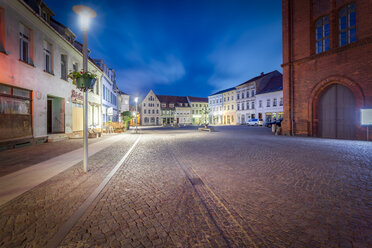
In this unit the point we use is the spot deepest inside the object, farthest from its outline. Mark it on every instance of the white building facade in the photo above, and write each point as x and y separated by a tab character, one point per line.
245	101
215	108
199	110
36	55
150	110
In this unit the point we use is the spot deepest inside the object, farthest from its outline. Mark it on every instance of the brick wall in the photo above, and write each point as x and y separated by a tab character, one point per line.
350	65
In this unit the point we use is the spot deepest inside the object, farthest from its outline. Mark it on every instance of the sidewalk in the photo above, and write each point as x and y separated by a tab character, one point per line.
54	158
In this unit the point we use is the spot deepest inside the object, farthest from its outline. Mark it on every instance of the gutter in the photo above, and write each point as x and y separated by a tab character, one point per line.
291	65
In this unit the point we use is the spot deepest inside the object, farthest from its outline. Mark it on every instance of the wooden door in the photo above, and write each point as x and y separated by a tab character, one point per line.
336	113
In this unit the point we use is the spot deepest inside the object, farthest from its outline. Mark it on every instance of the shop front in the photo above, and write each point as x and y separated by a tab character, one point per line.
77	111
15	113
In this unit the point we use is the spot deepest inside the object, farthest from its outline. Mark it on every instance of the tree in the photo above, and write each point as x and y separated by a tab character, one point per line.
126	116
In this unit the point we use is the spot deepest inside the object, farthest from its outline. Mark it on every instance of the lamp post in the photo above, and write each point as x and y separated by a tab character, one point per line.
85	14
136	100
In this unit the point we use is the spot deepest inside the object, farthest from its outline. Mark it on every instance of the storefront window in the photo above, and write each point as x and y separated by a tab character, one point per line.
14	101
5	89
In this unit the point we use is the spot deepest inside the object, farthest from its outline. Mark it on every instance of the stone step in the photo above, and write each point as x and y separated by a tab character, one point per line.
57	137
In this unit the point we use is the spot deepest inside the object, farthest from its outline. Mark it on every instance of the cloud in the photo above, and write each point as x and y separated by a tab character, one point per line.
237	58
146	75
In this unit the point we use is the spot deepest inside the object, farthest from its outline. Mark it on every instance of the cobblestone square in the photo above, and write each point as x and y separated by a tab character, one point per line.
236	187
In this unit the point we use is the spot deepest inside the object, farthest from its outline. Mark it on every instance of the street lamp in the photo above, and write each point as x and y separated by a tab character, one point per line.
85	14
136	100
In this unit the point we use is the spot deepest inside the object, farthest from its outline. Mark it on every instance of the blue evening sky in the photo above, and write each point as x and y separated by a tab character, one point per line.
181	47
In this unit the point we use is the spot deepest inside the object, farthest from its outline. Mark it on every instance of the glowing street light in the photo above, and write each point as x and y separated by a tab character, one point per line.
85	14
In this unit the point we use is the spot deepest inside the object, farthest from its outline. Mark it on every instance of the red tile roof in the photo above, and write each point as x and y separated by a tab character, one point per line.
197	99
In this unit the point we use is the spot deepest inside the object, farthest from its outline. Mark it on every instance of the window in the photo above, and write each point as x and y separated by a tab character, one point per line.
63	67
268	103
144	104
275	102
163	105
237	96
322	34
24	44
228	98
47	57
15	101
252	105
232	98
2	31
146	120
224	99
347	24
281	101
144	111
153	111
75	67
232	107
247	94
252	93
242	105
228	107
238	106
260	103
242	95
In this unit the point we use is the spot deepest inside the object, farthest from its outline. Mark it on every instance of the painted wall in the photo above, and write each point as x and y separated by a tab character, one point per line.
33	77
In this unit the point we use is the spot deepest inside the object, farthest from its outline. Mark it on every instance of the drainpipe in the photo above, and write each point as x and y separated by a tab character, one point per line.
291	64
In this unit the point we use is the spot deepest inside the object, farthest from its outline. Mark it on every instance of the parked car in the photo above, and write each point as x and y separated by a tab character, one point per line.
255	122
277	122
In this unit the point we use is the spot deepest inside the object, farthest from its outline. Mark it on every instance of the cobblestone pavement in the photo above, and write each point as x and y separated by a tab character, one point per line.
31	219
237	187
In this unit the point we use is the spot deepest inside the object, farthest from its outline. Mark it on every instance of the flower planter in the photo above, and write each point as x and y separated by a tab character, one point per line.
85	83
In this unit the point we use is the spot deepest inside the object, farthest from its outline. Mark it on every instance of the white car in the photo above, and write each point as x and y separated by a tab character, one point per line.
255	122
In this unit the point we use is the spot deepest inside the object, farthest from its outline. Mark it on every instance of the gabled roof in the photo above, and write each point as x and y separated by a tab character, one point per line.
122	93
223	91
172	99
271	82
197	99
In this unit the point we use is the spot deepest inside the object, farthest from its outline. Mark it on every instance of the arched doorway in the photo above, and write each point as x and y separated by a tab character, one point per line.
336	113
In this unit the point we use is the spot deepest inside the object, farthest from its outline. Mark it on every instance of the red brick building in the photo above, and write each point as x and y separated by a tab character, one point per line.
327	67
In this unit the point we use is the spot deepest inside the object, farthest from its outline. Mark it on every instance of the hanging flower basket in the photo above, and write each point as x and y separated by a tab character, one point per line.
85	83
83	80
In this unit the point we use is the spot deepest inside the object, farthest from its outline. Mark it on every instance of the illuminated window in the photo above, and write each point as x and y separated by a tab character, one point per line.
47	57
322	34
24	43
347	24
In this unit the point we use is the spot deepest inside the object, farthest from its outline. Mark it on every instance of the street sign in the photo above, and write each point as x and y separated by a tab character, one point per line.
366	117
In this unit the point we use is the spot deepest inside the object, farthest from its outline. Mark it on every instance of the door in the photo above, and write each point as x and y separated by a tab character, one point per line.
49	116
336	113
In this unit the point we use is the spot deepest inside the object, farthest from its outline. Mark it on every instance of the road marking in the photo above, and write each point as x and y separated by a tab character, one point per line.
69	224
